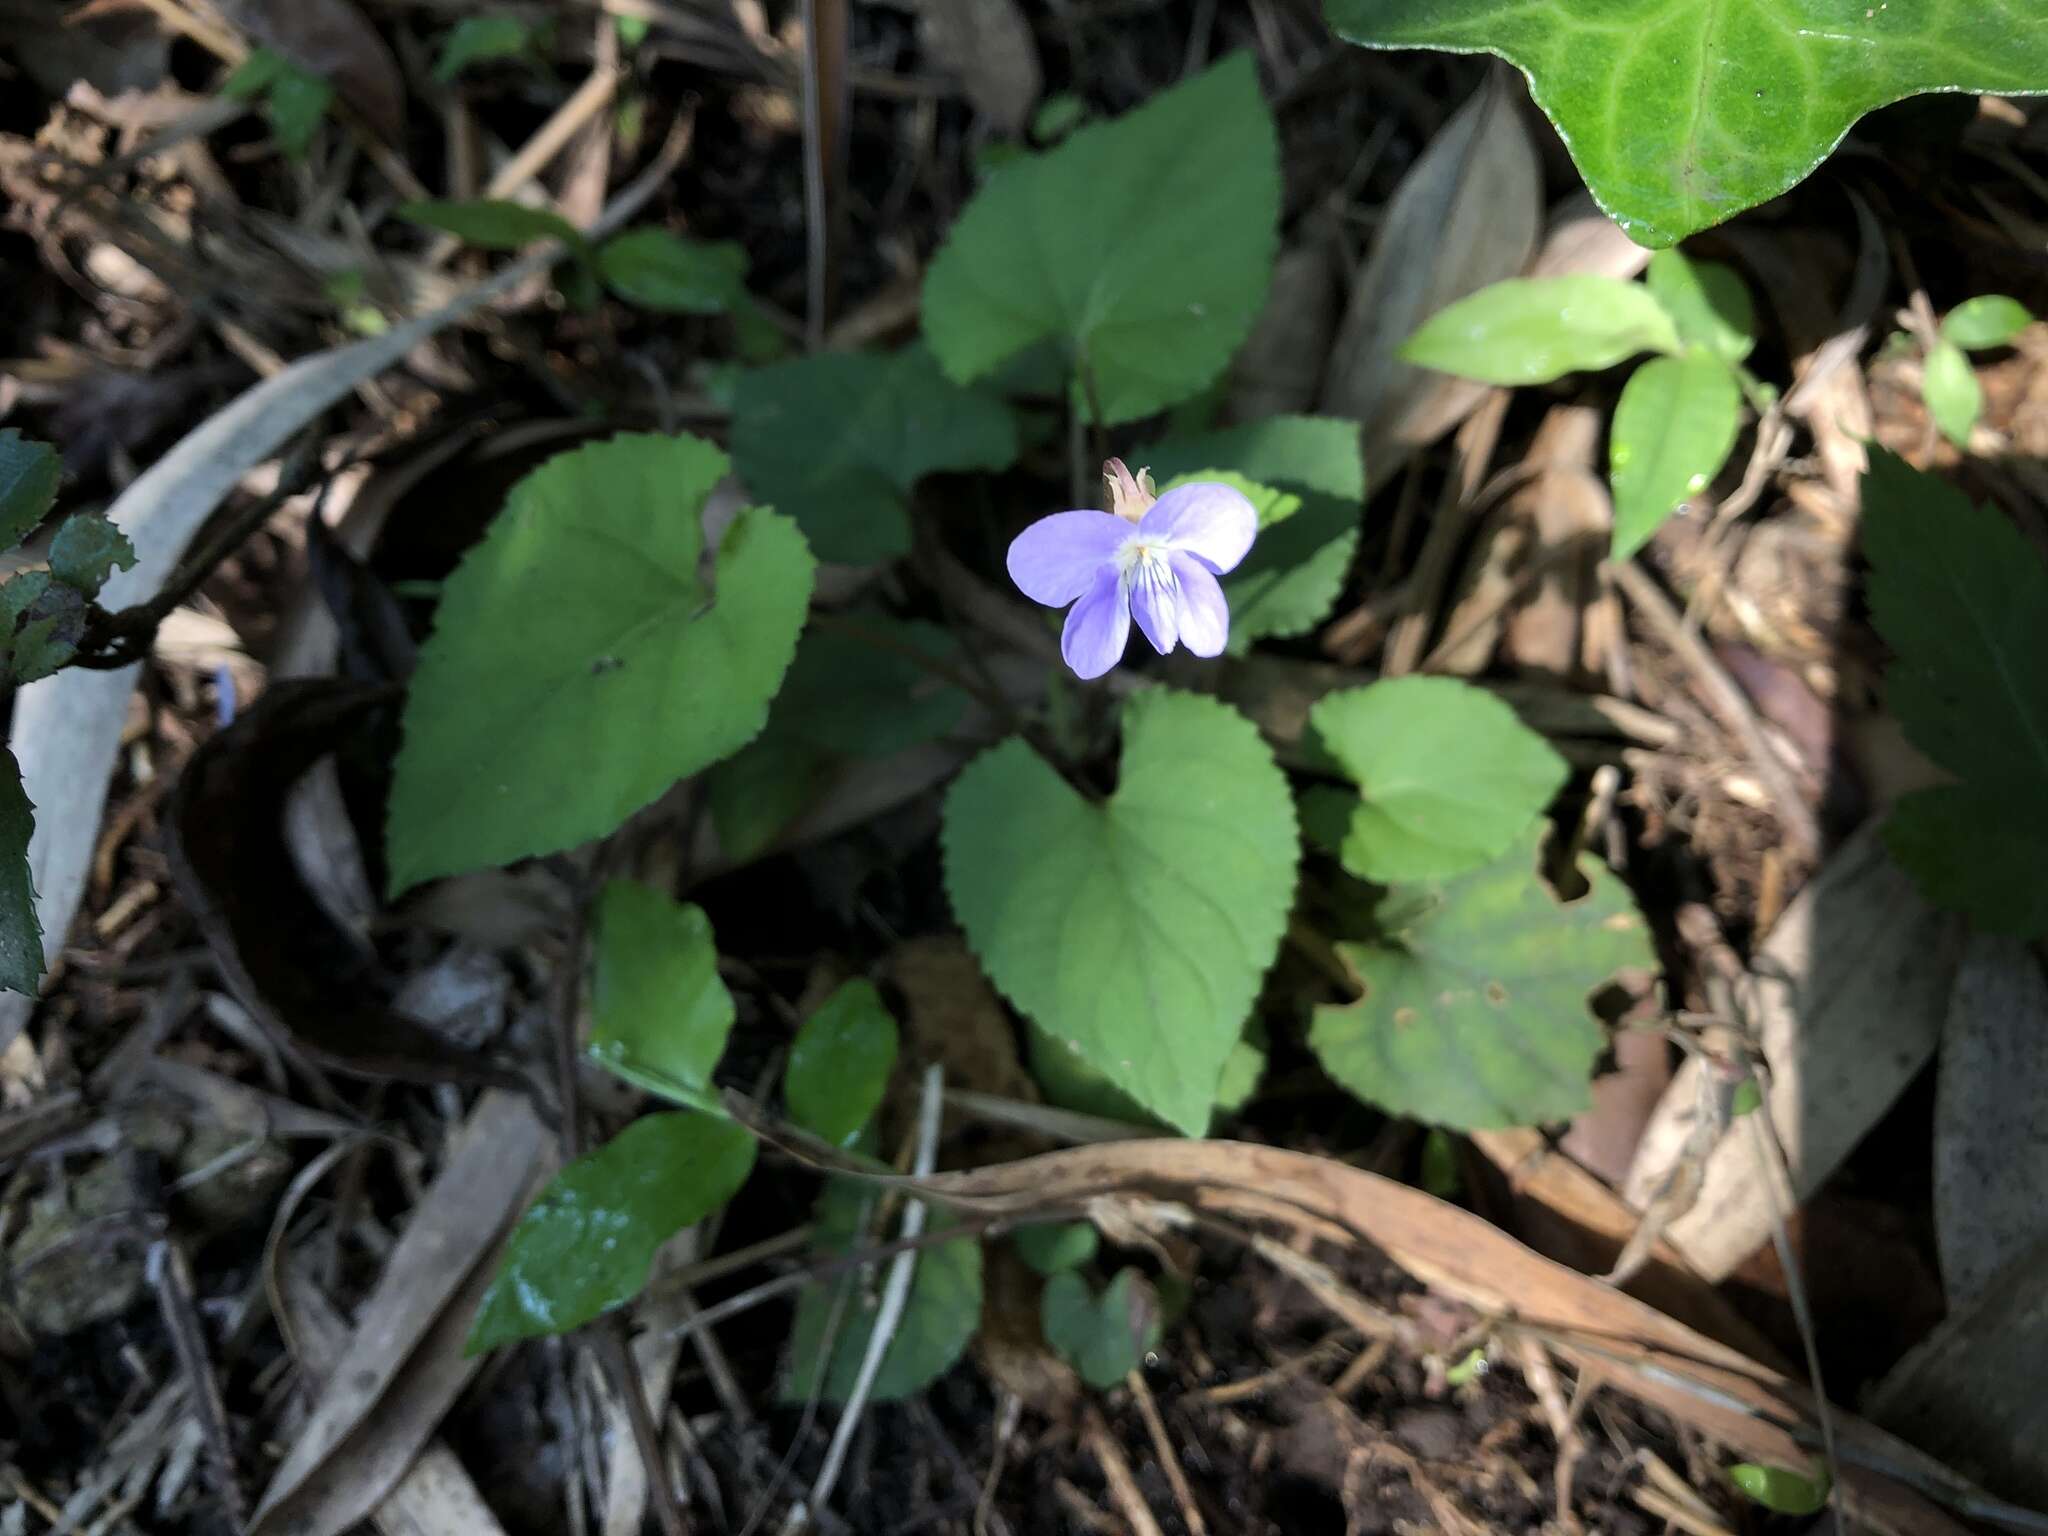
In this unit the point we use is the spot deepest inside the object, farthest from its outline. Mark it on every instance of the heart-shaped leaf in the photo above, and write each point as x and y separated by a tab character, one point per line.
662	1014
582	661
1672	430
1142	246
21	935
1474	1010
1103	1337
839	1066
1449	776
1133	932
1682	113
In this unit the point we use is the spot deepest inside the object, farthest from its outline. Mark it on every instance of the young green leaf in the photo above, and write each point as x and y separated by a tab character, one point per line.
1681	114
1135	931
29	475
1961	597
86	551
1954	397
21	935
1990	320
1708	303
1143	246
1787	1493
585	1245
1531	330
491	224
1103	1337
839	1066
838	440
661	1012
664	272
480	39
583	618
1672	432
1053	1247
1450	778
1474	1008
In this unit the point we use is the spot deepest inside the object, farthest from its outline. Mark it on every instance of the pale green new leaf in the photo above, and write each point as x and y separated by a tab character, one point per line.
661	1011
1531	330
1448	776
21	935
1708	303
837	440
1143	246
1682	113
1672	432
1990	320
1135	931
1954	397
582	661
1475	994
1776	1488
1105	1337
29	475
840	1063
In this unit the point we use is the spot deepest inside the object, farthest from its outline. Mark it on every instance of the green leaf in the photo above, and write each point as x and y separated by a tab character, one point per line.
1531	330
479	39
756	793
1440	1175
29	475
254	75
582	662
585	1245
1991	320
1318	455
938	1323
1954	397
86	551
856	689
1450	777
1134	932
1057	116
41	623
21	936
1788	1493
1680	114
1708	303
296	106
1242	1069
1103	1337
664	272
661	1014
1474	1010
1747	1099
1961	597
839	1066
1672	432
1144	246
491	224
839	439
1052	1247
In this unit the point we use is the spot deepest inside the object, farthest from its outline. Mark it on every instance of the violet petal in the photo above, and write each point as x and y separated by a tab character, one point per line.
1056	558
1212	521
1098	626
1204	615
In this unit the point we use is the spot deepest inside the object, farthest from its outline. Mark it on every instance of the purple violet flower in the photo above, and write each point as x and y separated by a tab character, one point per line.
1155	556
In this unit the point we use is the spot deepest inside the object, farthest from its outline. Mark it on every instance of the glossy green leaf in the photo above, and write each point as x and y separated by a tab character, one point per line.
1106	1337
1961	597
1682	113
491	224
30	473
1788	1493
1448	776
1530	330
1052	1247
21	935
664	272
87	550
479	40
1135	931
1954	397
1672	432
1991	320
838	440
583	661
586	1244
661	1011
840	1064
1474	1008
1708	303
1143	246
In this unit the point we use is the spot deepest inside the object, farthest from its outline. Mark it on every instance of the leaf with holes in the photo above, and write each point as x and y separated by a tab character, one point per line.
661	1012
1135	931
1672	432
1474	1007
1682	113
840	1063
87	550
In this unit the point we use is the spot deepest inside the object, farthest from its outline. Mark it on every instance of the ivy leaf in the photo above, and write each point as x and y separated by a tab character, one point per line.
1474	1010
1954	397
491	224
586	1244
1134	932
583	618
664	272
86	551
839	439
661	1012
480	39
1531	330
1143	246
1708	303
29	475
839	1066
1672	432
1051	1247
1961	597
21	935
1103	1337
1991	320
1449	776
1680	114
